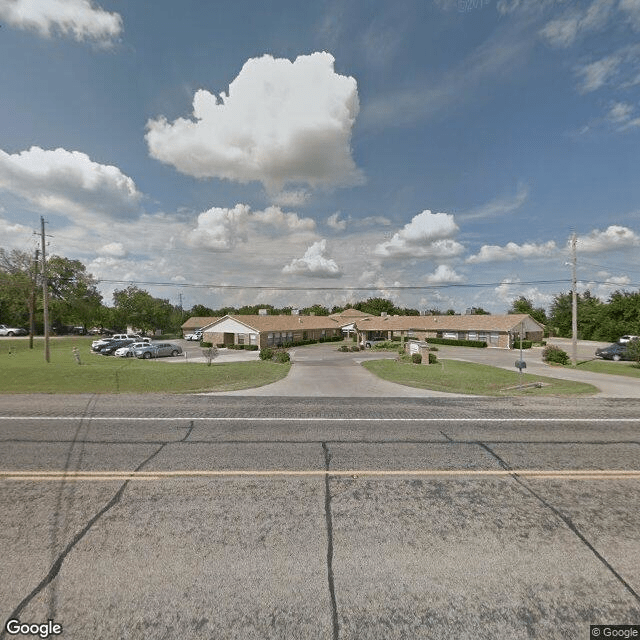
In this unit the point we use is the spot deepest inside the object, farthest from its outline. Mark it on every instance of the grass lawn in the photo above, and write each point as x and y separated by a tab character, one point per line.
23	370
472	378
630	369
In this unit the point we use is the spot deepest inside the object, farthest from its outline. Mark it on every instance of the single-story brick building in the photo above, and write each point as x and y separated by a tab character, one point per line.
499	331
270	331
196	323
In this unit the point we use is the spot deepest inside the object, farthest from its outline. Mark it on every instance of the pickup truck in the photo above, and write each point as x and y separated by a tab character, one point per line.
11	331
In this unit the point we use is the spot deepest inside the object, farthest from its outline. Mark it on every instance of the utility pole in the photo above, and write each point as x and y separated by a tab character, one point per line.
574	302
32	301
45	294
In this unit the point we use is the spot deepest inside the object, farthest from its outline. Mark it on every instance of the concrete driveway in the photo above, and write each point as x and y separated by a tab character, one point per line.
322	371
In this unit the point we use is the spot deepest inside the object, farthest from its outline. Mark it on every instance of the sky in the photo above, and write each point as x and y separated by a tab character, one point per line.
438	153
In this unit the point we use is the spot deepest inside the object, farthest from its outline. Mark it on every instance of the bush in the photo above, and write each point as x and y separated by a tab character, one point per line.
343	348
388	344
282	356
220	345
356	348
457	343
206	345
266	353
416	358
555	354
526	344
433	358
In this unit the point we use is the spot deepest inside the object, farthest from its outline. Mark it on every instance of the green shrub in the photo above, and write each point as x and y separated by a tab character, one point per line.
458	343
526	344
555	354
388	344
206	345
251	347
282	356
355	348
266	353
433	358
220	345
343	348
416	358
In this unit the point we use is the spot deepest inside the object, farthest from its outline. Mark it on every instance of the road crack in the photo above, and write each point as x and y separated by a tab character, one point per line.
329	521
566	519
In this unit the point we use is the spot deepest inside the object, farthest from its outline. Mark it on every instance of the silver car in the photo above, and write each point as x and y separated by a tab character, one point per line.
157	350
129	350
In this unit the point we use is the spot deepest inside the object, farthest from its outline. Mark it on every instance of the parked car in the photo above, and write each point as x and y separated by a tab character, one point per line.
614	351
625	339
373	341
12	331
128	350
196	335
110	349
96	345
158	350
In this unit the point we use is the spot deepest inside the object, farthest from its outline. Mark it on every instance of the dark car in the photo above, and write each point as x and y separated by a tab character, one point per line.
615	351
109	349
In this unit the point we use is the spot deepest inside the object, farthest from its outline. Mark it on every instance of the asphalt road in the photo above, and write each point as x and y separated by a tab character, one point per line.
330	518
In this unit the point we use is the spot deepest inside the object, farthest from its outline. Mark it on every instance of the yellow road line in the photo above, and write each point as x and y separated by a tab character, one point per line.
567	474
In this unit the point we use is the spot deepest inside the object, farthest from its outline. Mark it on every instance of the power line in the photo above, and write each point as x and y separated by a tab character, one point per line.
305	288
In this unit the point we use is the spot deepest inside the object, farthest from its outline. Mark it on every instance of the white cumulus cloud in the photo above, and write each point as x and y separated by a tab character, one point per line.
314	263
444	274
335	223
113	249
513	251
69	183
613	237
80	19
222	229
427	235
281	123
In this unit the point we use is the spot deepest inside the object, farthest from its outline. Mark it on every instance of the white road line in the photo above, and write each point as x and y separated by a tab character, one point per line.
316	419
565	474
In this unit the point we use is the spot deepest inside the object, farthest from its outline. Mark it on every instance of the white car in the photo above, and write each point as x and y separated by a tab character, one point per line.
625	339
196	335
11	331
103	342
128	351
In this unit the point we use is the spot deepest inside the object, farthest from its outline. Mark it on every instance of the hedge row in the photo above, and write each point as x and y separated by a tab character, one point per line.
457	343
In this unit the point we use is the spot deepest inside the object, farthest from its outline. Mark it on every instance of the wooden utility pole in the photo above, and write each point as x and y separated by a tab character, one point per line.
45	294
574	302
32	301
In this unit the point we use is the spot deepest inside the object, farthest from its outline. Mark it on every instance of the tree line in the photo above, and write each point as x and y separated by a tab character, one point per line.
75	301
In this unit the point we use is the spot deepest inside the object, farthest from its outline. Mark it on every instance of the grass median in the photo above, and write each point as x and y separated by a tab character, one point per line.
23	370
454	376
629	369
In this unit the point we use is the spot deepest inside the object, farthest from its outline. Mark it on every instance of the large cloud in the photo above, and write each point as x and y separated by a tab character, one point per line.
222	229
428	235
281	123
314	263
613	237
513	251
69	183
81	19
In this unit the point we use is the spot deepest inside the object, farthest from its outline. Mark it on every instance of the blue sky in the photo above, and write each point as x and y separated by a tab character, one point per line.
315	148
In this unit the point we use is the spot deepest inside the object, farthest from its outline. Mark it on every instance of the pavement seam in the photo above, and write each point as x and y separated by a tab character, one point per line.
57	565
566	519
329	522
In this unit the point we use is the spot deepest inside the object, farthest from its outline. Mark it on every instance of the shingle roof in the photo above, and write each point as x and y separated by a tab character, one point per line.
283	323
508	322
197	322
350	314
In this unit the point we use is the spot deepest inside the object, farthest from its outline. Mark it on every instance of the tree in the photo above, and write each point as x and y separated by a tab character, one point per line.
524	305
590	314
75	299
18	287
376	306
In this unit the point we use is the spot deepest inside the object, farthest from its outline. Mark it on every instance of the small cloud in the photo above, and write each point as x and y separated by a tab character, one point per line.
114	249
296	198
427	235
315	263
335	223
444	274
632	8
620	112
499	206
69	183
613	237
80	19
513	251
375	221
563	31
597	74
